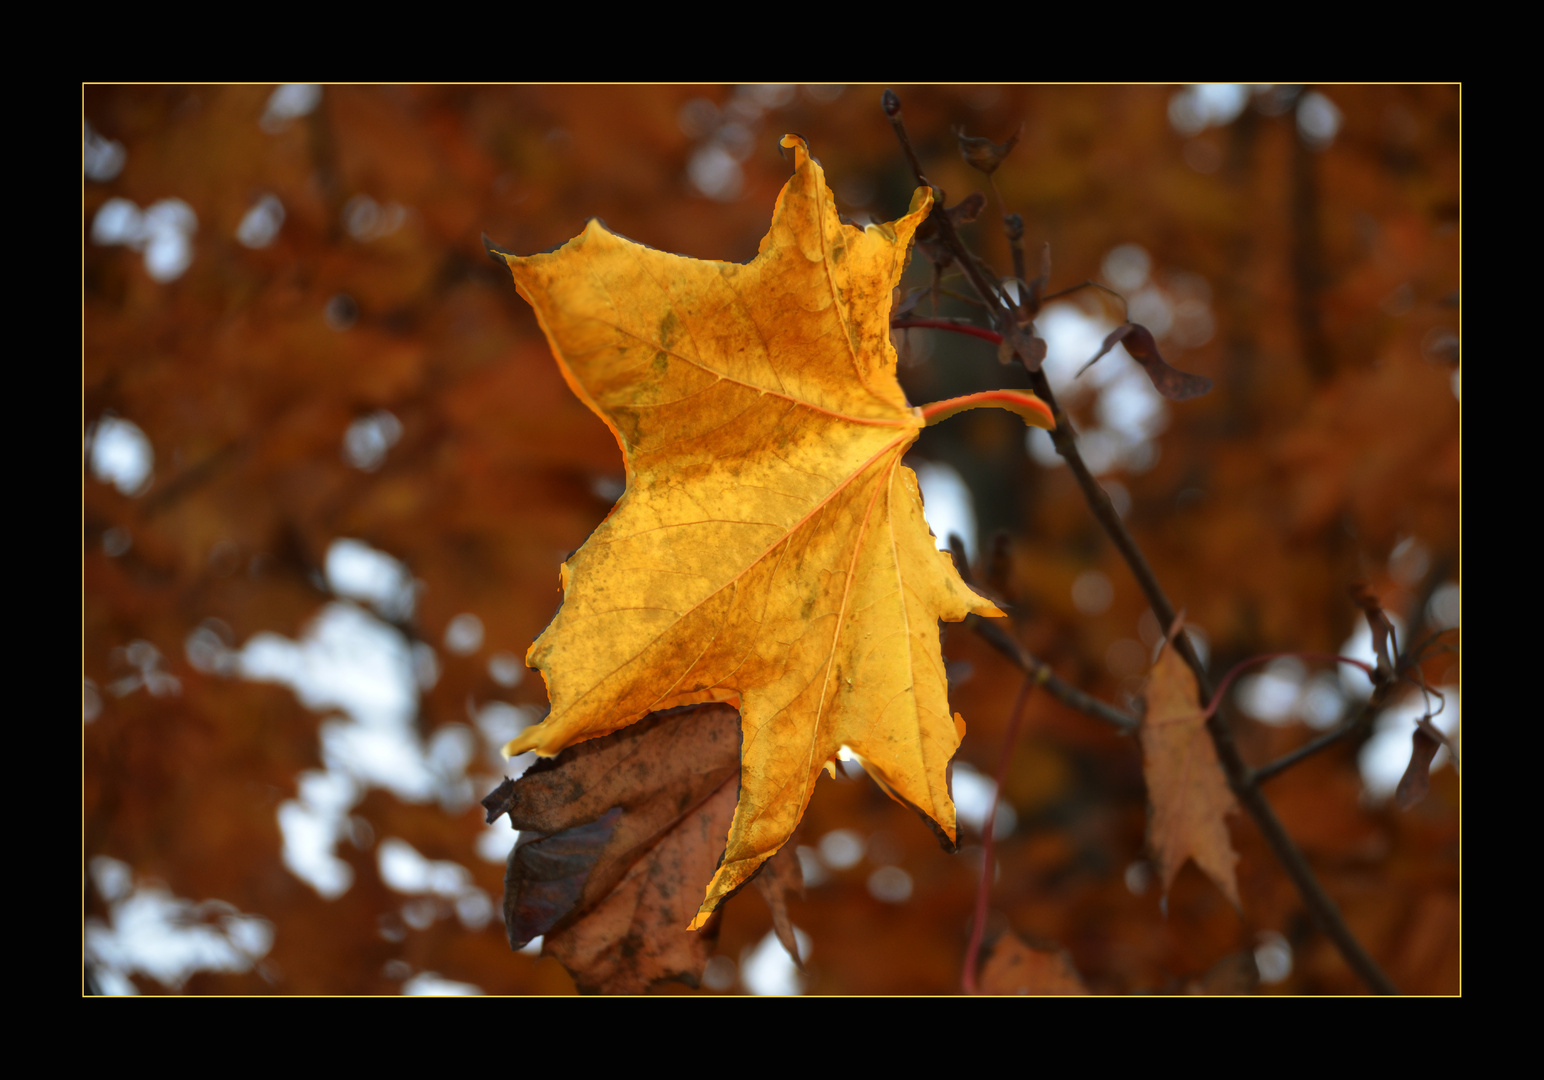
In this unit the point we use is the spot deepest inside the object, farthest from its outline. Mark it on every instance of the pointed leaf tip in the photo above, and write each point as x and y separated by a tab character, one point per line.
499	801
498	254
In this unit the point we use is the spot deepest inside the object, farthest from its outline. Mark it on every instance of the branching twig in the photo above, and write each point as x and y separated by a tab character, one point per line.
994	635
1320	906
980	279
1382	689
1069	290
1318	902
1313	746
1264	658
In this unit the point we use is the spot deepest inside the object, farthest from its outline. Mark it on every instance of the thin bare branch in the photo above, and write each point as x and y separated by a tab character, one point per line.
1323	909
1383	688
982	280
1361	720
993	633
1069	290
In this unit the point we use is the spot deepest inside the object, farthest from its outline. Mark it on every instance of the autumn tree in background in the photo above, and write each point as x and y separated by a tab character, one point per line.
322	434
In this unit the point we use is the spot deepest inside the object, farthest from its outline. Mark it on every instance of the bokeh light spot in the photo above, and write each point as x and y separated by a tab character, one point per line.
947	504
120	455
841	849
1092	592
260	225
464	634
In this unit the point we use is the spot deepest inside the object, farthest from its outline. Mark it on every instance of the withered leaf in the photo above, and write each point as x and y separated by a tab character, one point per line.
1171	382
1030	299
545	876
635	935
1015	967
1025	343
1186	787
1377	622
623	832
780	877
1416	781
983	154
1235	974
498	801
967	209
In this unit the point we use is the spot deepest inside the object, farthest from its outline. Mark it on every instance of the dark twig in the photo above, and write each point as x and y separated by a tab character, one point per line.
1320	906
892	106
1362	720
1313	746
993	634
980	279
1013	225
1080	286
1383	688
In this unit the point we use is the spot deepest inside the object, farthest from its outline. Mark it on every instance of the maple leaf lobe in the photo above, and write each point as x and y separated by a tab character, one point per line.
769	549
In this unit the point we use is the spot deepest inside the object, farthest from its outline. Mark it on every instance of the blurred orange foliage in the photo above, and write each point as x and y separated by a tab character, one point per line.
315	348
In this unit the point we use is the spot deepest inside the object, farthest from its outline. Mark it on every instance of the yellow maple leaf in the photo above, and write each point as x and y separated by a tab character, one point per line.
1186	786
770	549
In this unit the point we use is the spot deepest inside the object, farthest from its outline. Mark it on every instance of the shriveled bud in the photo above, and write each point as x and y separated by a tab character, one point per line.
983	154
967	209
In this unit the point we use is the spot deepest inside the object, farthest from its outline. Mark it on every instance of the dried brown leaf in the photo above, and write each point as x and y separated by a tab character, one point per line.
623	833
545	876
635	935
1236	973
967	209
781	875
1378	622
1416	781
1015	968
983	154
1188	792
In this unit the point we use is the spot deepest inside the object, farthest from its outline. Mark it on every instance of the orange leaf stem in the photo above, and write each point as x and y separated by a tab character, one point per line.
1030	408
